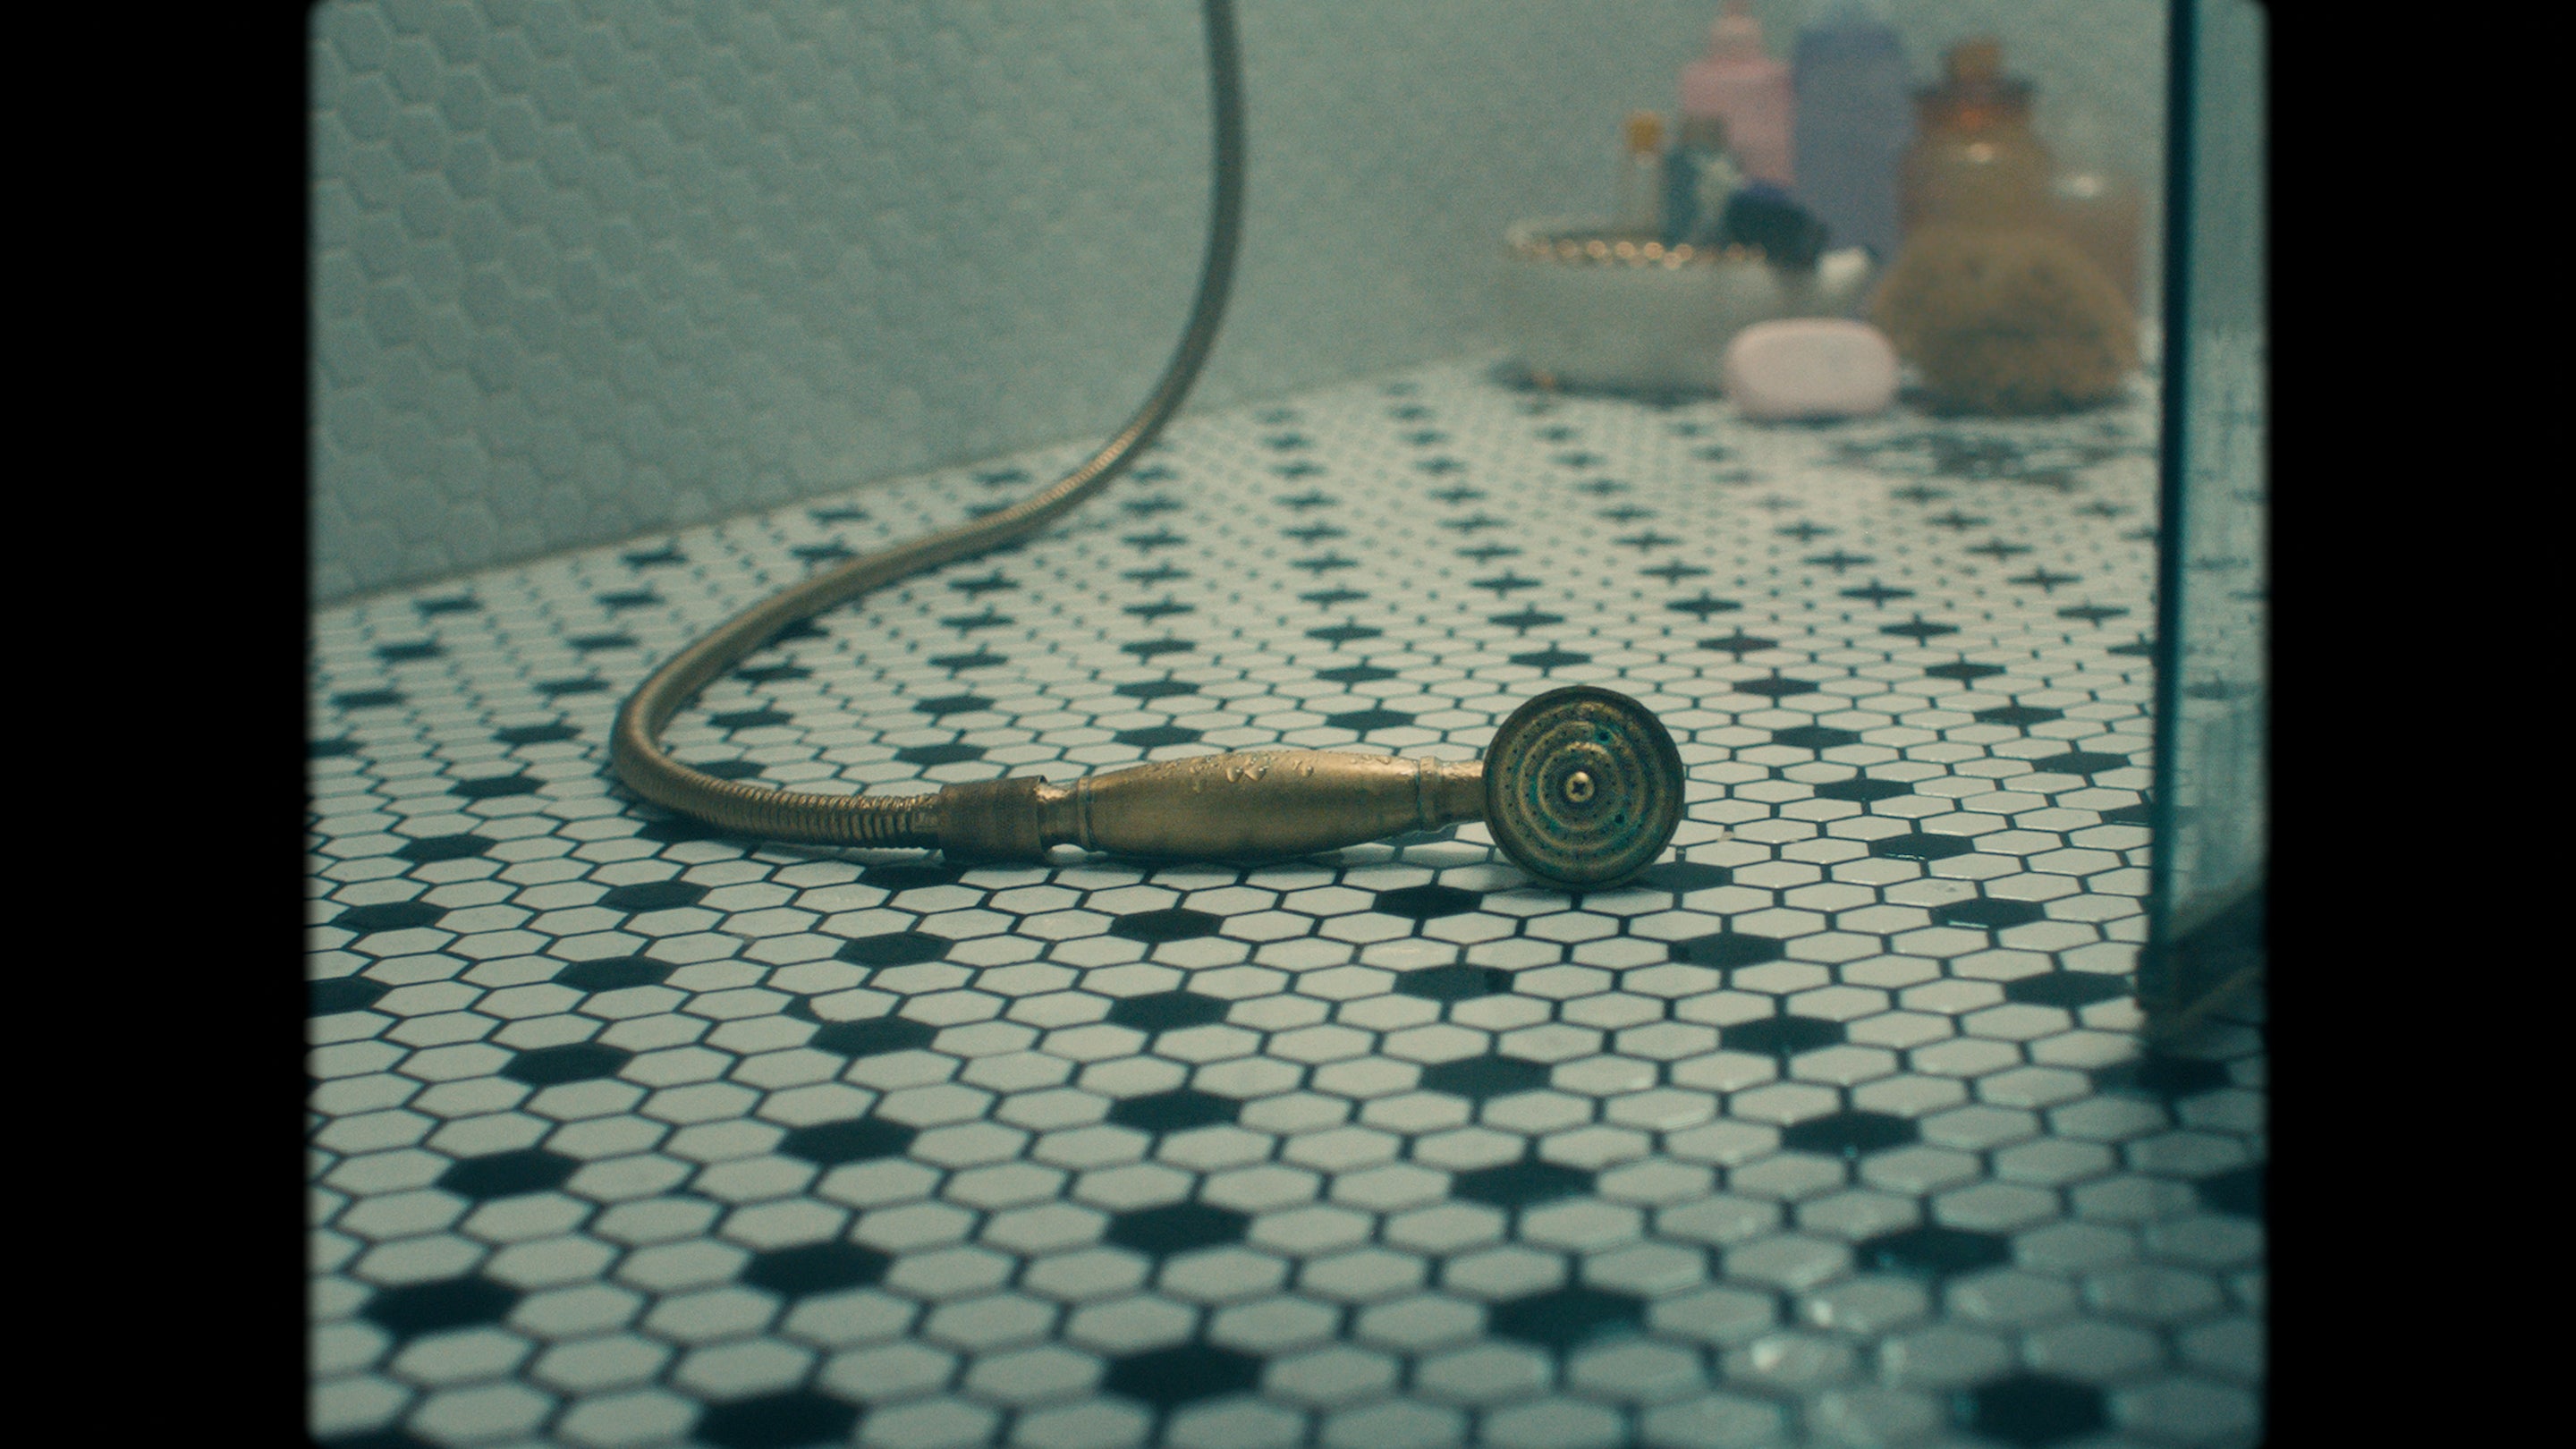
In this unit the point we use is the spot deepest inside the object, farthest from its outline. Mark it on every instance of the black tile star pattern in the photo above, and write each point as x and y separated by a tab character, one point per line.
1834	1127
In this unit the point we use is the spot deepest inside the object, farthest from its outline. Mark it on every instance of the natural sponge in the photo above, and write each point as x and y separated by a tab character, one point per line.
2010	321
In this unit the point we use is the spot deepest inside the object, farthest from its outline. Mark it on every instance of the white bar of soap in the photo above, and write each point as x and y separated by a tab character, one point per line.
1810	367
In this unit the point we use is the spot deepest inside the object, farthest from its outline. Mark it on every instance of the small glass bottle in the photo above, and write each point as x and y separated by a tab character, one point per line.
1739	83
1975	160
1641	178
1700	177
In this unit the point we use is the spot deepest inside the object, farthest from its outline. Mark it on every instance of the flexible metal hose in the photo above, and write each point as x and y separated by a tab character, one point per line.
634	749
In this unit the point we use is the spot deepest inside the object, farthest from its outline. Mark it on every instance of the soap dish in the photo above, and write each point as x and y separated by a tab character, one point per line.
1586	307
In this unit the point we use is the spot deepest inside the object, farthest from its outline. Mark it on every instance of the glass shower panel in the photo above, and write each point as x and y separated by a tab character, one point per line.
2211	811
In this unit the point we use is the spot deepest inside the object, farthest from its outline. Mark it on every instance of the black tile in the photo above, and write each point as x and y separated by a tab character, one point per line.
1740	644
788	1419
1166	925
1549	658
1727	950
1179	1227
2069	989
1177	1110
1777	687
1814	737
1861	790
2019	716
955	752
1454	983
2156	1074
1520	1184
389	916
2238	1191
439	1306
894	948
444	847
657	895
1682	877
1426	902
580	1061
2080	762
1780	1035
1477	1078
613	973
341	993
872	1036
1964	672
1917	845
1154	689
1364	720
1167	1011
2031	1410
1991	914
1169	1377
899	876
853	1139
1703	604
808	1268
1932	1251
508	1174
1564	1319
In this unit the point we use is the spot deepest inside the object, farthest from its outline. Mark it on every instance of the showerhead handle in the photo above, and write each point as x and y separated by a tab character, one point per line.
1582	788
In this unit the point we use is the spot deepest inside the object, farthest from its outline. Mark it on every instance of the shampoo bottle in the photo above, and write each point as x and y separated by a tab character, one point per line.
1641	177
1700	178
1736	82
1853	123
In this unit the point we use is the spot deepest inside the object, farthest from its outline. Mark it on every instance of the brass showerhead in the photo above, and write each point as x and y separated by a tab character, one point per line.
1582	788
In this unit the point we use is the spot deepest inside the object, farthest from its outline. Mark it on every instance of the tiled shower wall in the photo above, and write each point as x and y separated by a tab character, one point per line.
584	269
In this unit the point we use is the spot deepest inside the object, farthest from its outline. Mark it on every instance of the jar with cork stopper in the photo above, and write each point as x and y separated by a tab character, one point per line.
1975	160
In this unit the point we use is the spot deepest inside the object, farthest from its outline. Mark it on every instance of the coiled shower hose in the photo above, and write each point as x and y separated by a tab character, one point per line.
913	820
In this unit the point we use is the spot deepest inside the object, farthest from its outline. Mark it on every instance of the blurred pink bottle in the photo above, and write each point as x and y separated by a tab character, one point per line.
1740	84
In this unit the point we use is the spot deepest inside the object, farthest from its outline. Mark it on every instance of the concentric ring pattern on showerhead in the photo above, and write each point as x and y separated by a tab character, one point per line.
1583	787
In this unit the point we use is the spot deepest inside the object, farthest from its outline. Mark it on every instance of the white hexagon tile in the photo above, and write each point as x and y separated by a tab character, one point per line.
1834	1128
587	268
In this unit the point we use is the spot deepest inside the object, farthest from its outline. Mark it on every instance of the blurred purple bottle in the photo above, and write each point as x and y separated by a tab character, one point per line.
1854	124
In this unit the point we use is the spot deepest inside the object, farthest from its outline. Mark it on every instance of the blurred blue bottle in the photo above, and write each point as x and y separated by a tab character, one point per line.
1855	120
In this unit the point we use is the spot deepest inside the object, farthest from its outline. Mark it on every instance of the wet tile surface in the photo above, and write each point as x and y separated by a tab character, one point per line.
1834	1128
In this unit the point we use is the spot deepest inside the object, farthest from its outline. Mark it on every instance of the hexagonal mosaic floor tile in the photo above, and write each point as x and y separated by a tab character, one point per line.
1833	1128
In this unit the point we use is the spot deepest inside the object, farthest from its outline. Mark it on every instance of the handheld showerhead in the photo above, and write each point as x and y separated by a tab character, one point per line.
1583	787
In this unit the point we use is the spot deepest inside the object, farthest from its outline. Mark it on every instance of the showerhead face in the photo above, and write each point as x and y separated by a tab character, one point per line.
1583	787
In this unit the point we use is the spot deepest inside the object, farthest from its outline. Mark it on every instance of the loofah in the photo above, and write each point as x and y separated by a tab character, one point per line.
2006	321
